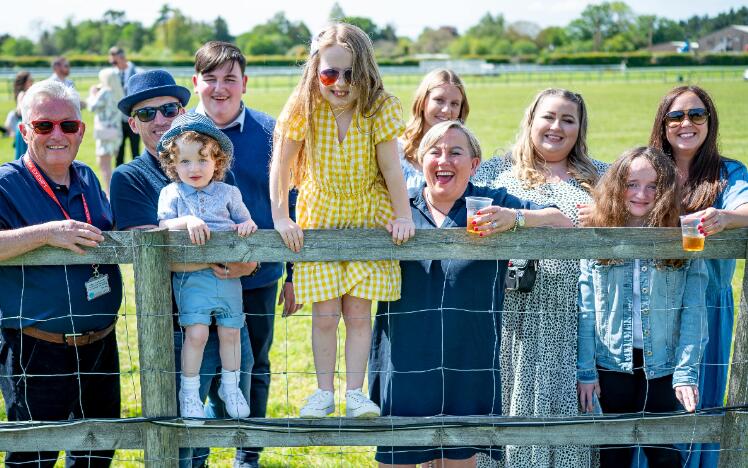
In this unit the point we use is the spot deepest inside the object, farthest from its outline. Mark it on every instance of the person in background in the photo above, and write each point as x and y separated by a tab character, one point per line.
102	101
440	96
61	71
21	84
125	69
686	128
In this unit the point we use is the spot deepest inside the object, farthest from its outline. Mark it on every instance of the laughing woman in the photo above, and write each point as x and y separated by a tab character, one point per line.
435	351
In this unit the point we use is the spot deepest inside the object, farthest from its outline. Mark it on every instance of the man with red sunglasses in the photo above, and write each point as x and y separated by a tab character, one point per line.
58	355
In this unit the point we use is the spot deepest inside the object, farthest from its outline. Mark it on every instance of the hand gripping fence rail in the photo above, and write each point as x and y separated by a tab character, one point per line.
159	431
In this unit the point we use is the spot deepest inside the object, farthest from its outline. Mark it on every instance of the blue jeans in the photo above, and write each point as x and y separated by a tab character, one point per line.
259	309
210	376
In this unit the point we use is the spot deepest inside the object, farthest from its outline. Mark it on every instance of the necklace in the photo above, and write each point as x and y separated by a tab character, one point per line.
431	204
342	111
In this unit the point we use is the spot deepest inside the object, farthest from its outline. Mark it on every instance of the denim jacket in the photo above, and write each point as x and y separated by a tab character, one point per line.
673	313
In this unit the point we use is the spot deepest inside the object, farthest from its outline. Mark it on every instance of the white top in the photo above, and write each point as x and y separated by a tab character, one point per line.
637	309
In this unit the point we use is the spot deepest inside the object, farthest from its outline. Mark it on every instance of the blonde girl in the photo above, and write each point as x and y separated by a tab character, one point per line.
336	142
440	97
102	101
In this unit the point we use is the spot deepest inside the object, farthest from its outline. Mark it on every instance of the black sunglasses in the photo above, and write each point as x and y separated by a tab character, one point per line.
168	110
697	116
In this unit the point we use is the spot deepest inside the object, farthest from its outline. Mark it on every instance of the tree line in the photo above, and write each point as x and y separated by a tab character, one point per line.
604	27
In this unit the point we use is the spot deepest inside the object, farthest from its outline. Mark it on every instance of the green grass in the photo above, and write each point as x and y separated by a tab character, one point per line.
621	116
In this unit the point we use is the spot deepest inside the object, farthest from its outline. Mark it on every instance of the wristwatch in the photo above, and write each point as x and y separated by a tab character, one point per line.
519	219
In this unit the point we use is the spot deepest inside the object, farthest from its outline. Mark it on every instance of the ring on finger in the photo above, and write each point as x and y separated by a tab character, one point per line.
494	224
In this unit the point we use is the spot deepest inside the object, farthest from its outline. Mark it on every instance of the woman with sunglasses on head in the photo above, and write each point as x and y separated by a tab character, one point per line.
440	97
548	165
102	101
715	187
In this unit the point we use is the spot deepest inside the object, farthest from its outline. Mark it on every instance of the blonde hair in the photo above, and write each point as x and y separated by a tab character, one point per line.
438	131
210	148
110	79
416	126
527	162
305	98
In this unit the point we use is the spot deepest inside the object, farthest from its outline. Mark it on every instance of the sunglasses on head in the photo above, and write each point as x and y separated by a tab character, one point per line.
330	76
697	116
45	127
168	110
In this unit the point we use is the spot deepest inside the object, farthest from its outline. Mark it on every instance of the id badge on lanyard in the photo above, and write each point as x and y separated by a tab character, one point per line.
98	284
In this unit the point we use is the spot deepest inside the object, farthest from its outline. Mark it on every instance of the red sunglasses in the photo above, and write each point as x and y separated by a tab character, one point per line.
330	76
45	127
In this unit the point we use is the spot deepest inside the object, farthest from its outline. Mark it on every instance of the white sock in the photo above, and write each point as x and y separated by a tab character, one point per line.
230	379
190	384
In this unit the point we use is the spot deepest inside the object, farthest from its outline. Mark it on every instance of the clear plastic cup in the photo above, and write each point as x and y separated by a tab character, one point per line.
693	240
474	204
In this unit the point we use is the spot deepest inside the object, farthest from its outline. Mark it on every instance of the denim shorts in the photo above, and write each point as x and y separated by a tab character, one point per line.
200	295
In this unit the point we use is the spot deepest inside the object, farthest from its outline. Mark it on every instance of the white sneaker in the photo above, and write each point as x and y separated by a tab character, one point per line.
357	405
235	403
190	407
318	405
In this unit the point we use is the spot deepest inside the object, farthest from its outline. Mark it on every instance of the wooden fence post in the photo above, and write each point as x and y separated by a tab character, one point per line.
734	443
156	343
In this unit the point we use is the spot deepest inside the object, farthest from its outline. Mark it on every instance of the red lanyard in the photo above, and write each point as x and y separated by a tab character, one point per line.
48	190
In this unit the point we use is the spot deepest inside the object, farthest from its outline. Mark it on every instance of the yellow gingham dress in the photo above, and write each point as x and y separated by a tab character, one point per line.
345	189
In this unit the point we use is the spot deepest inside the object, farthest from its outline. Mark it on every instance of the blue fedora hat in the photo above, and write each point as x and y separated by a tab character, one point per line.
199	123
150	84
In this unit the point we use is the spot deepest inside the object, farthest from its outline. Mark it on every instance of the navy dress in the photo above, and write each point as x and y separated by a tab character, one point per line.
436	350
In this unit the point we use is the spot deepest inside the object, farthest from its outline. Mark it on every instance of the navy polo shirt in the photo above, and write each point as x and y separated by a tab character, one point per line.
53	298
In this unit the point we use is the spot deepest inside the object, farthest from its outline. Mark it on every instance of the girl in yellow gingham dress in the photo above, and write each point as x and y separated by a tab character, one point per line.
338	140
344	189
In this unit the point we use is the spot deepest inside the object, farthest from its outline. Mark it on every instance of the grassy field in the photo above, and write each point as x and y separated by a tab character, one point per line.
621	116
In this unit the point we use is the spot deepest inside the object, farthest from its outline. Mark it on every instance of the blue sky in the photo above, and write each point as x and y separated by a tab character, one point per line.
408	16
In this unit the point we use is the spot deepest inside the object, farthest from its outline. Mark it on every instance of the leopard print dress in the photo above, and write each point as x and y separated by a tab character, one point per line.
539	330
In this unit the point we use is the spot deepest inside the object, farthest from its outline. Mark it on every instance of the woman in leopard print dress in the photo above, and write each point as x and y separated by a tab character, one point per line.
548	165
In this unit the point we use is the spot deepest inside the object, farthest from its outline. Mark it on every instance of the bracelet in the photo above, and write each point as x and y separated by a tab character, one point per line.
254	272
404	218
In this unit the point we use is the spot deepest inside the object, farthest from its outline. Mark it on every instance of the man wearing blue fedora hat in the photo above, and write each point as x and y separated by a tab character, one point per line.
152	102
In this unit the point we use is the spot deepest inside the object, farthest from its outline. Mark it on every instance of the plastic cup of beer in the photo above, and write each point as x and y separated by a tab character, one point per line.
693	240
475	204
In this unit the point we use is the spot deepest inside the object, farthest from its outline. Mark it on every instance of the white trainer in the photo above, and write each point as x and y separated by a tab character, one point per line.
357	405
318	405
234	402
190	408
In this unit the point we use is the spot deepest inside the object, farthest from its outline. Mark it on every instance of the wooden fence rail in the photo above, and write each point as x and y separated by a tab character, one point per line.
160	432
